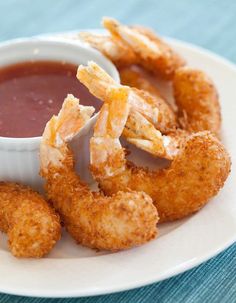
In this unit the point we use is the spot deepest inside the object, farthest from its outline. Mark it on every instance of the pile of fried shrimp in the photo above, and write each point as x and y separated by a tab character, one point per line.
132	200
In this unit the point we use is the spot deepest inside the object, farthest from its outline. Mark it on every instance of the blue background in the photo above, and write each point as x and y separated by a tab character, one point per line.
210	24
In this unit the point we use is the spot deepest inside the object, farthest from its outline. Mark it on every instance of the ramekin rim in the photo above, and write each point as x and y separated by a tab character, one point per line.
33	142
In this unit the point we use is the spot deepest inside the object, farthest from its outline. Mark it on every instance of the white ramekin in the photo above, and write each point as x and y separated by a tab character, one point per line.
19	157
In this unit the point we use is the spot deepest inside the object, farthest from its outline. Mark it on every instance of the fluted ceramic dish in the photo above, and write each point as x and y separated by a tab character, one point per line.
71	270
19	157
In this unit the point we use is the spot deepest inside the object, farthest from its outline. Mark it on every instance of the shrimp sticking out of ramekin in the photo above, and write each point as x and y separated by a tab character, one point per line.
148	115
32	226
112	47
196	174
121	221
153	53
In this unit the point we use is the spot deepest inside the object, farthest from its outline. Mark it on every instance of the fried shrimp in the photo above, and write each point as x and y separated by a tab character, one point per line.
148	116
136	77
111	47
195	95
32	226
153	53
196	174
121	221
197	101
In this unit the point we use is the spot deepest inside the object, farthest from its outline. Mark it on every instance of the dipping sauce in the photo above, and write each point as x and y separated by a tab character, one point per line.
31	92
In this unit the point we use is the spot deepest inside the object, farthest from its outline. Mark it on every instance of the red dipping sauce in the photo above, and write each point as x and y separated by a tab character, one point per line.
31	92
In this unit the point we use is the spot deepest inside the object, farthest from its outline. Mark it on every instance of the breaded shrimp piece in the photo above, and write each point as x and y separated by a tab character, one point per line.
121	54
196	174
152	110
121	221
32	226
136	77
153	53
195	95
197	100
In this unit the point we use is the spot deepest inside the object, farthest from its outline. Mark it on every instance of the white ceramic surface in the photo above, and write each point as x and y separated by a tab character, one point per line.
19	156
72	270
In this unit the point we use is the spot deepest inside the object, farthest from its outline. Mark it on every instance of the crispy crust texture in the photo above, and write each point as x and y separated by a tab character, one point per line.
166	62
196	175
111	223
124	220
136	78
32	226
197	100
152	52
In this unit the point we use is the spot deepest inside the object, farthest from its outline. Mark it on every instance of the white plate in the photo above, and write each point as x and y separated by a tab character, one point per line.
72	270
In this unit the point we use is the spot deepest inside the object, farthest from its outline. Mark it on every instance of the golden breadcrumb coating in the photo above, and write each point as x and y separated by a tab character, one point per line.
200	163
197	100
124	220
149	114
128	45
32	226
136	78
153	53
196	174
